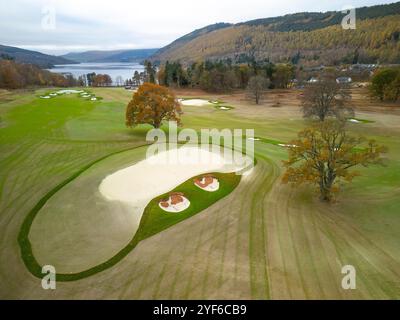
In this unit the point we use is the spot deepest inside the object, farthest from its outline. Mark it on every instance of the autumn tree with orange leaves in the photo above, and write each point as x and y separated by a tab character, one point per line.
152	104
324	155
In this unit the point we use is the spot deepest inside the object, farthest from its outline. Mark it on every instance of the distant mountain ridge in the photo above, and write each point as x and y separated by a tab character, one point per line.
295	36
131	55
33	57
309	21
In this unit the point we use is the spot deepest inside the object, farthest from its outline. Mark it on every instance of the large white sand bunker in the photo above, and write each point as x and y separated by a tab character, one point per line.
195	102
137	185
96	215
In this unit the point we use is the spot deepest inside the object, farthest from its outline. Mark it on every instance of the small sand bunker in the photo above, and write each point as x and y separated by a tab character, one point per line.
175	203
45	97
287	145
68	91
354	120
224	108
208	183
93	99
195	102
254	139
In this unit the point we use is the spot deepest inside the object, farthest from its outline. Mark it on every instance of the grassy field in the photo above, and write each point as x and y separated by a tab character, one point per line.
265	240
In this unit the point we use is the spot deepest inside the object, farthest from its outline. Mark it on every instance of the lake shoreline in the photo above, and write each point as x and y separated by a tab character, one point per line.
125	70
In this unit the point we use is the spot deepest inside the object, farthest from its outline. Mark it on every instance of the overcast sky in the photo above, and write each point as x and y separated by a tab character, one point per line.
107	25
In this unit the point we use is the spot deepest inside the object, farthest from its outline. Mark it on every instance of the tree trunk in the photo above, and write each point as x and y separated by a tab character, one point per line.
325	194
157	124
325	188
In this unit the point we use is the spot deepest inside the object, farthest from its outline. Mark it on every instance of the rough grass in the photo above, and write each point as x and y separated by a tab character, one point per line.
264	240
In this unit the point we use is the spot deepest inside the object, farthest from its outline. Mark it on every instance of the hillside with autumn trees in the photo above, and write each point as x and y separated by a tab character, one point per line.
303	38
33	57
15	75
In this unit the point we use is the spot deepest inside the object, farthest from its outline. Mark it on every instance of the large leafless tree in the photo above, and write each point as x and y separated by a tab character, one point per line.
256	88
325	99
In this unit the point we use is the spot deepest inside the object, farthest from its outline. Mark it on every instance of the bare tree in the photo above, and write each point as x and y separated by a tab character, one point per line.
119	81
326	98
256	88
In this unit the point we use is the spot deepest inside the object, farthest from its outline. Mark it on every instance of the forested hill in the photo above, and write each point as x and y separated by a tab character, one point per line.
307	38
308	21
192	36
132	55
33	57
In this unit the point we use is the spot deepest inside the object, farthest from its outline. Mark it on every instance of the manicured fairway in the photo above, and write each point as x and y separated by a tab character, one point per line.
265	240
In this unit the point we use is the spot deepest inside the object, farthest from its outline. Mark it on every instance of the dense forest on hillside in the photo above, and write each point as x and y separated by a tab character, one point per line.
28	56
20	75
374	40
308	21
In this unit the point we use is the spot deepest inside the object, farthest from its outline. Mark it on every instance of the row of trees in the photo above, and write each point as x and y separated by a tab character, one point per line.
148	75
137	79
15	75
223	75
96	80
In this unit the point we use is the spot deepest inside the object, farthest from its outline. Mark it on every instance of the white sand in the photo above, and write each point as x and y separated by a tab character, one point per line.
224	108
137	185
354	120
253	139
195	102
179	207
68	91
45	97
287	145
93	99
